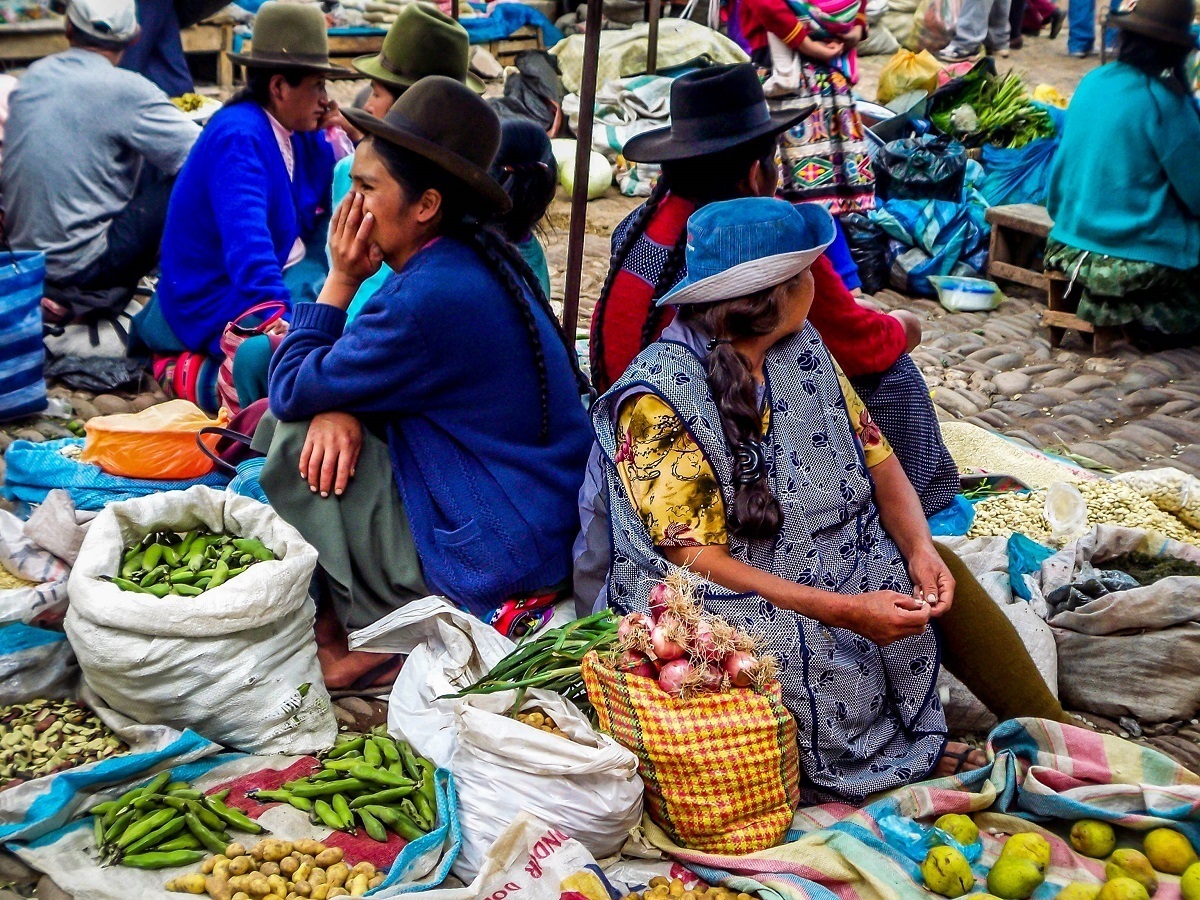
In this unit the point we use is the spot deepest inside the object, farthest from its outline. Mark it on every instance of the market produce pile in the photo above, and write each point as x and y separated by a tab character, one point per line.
165	824
166	563
686	651
372	780
661	888
991	109
1021	867
278	869
1108	503
189	102
974	448
42	737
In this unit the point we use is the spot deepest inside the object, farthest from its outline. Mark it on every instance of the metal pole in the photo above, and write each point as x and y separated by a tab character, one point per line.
454	9
583	154
652	37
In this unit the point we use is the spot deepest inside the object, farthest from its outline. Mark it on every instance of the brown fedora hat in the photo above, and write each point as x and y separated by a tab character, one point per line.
289	36
445	122
1165	20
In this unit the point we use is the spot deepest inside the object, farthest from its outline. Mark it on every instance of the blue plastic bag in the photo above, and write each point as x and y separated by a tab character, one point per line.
1025	557
34	470
953	521
915	840
22	353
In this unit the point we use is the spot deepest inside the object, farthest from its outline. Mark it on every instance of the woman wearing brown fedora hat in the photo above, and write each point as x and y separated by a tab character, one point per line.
437	442
1125	186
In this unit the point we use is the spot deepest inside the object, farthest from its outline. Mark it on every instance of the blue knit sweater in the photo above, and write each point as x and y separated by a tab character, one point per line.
440	359
233	219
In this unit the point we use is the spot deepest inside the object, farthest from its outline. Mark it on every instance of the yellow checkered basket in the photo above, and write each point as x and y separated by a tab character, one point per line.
722	771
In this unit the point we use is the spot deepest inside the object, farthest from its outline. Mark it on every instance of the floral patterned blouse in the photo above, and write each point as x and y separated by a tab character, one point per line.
670	481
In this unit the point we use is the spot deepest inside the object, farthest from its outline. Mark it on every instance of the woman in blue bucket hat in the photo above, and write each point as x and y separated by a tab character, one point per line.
782	499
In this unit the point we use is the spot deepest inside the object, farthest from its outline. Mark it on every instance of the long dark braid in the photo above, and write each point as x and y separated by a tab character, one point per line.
671	270
415	176
637	227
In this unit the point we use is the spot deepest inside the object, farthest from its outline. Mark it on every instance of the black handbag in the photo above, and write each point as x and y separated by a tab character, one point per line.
921	168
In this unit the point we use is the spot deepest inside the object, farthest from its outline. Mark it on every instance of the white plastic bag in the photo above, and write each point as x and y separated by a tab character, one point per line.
44	599
590	791
34	663
238	664
1066	512
531	861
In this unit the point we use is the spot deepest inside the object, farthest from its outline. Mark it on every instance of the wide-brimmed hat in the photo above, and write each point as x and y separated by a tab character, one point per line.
1165	20
289	36
445	122
712	110
739	247
422	41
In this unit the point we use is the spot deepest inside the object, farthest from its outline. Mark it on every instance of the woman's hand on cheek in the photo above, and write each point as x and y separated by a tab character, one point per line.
353	258
932	581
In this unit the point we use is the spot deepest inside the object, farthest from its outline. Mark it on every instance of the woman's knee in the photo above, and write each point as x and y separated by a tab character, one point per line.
912	327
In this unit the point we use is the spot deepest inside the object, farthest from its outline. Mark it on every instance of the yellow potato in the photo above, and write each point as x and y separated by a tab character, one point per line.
240	865
337	874
309	847
302	888
363	868
192	883
288	865
337	892
329	857
659	881
235	850
320	892
240	895
377	880
269	869
278	884
357	885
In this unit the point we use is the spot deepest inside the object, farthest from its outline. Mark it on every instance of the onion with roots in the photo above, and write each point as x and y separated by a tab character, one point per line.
741	667
660	597
633	662
633	632
674	676
668	638
712	639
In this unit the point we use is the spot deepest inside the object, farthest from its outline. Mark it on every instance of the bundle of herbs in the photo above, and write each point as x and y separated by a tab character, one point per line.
990	109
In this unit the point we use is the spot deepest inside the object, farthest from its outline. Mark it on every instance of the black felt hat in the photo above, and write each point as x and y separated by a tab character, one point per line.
712	110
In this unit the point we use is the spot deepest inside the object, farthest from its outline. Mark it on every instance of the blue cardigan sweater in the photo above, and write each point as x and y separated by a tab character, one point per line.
440	359
233	219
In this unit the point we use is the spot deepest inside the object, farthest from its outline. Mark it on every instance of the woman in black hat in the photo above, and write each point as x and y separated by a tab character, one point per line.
447	438
1125	185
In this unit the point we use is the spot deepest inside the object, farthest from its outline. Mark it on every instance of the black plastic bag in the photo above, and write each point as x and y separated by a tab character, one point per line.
921	168
535	91
869	250
99	374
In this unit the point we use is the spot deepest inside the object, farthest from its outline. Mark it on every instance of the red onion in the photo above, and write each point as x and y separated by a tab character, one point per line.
711	679
673	675
634	663
704	643
666	638
633	631
660	597
740	666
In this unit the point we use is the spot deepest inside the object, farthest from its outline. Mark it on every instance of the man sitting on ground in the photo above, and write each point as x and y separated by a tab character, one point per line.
90	154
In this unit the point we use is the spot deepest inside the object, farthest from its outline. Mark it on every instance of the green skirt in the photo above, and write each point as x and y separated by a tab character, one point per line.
1118	292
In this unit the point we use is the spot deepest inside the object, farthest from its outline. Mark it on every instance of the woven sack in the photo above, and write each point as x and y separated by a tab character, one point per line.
721	771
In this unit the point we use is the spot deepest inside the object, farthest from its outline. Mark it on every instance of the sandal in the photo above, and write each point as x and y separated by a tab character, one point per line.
961	756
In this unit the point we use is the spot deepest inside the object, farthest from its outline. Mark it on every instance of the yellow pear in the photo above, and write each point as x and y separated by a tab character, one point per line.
1132	864
1028	845
1123	889
1189	884
1078	890
1014	878
1092	838
959	827
947	872
1169	851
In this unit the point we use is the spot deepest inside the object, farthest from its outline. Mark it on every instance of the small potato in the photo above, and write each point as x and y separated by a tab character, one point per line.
337	892
257	851
677	888
321	892
218	888
688	895
377	880
221	869
269	869
277	850
278	884
659	881
235	850
240	865
206	867
302	888
364	868
337	874
239	882
329	857
309	847
192	883
357	885
258	886
240	895
288	865
317	877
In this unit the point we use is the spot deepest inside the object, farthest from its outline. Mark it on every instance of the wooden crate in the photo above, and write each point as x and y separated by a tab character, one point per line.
1062	302
1018	241
506	50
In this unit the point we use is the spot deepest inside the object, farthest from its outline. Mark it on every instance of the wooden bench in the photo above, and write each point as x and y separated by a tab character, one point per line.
1018	244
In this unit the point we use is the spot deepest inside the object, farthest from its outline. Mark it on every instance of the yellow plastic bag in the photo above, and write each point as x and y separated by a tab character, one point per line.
907	71
159	442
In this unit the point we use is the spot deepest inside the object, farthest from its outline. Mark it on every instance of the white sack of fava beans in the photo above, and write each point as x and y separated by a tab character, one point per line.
237	664
1130	653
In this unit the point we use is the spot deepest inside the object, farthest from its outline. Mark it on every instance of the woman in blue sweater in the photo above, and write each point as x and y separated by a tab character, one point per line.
447	439
1125	186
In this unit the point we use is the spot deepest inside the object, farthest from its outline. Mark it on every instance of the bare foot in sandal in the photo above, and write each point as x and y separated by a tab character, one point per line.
959	758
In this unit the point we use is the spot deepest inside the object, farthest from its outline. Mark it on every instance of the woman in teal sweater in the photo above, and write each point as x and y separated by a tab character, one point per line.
1125	187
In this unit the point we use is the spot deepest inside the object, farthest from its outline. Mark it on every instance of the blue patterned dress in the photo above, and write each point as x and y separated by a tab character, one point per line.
869	718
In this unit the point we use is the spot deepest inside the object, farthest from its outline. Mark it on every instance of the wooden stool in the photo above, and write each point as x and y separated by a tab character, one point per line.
1059	317
1018	241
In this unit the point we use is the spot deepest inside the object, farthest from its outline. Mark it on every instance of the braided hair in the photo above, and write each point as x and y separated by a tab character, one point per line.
755	513
702	180
526	169
416	175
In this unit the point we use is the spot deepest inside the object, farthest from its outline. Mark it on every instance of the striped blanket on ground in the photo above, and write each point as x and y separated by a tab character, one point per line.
1042	776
